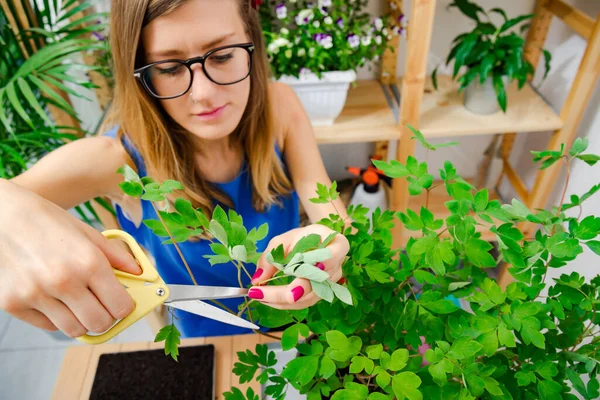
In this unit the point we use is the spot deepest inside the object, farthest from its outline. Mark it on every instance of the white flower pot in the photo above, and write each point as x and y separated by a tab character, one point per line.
481	98
323	99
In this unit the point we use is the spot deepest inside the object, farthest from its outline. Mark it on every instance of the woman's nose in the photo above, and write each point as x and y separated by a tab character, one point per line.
202	87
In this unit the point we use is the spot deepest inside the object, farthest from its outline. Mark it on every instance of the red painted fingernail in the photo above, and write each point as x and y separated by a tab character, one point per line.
256	294
320	265
257	274
298	291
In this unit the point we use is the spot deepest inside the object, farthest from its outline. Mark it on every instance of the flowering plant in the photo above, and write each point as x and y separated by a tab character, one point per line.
324	35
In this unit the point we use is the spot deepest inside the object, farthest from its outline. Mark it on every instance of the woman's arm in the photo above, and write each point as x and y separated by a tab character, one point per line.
302	154
77	172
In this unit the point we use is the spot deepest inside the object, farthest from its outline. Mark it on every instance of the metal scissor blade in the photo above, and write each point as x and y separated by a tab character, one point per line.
190	292
212	312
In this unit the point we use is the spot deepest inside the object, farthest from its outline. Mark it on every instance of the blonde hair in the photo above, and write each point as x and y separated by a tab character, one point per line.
166	152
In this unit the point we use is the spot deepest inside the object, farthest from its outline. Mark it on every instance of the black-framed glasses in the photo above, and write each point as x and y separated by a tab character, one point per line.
168	79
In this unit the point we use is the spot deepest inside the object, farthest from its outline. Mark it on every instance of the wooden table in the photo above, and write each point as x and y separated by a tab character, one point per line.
79	365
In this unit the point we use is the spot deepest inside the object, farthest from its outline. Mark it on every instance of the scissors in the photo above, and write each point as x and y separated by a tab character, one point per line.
149	291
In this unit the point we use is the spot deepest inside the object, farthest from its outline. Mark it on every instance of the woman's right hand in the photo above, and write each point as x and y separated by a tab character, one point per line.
55	271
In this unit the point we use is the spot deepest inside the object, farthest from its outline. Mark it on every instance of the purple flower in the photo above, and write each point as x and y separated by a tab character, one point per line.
324	3
324	40
281	11
340	23
353	41
98	36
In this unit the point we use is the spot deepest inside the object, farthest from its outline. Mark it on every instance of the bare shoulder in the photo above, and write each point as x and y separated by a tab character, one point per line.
287	109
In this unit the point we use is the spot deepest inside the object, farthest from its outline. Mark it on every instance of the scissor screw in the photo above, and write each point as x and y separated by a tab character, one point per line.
160	292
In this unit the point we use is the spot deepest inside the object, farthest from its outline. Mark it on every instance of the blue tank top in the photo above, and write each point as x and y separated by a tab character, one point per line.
169	265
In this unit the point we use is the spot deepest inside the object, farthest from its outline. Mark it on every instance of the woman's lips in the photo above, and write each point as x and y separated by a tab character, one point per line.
215	113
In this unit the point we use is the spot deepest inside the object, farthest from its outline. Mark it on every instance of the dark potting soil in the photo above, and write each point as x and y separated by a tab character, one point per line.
150	374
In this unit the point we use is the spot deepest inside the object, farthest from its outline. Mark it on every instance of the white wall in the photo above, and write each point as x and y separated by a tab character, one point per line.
567	49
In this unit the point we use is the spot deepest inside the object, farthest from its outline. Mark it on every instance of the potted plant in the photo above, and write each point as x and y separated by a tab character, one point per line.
35	74
317	46
492	56
365	339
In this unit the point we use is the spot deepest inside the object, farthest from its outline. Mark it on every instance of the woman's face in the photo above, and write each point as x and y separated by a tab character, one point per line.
208	110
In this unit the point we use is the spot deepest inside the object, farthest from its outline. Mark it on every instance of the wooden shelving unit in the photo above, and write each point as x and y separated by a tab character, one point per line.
368	116
441	113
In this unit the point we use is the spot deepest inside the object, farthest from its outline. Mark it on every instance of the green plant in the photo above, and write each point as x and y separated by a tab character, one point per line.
490	51
36	62
321	36
502	344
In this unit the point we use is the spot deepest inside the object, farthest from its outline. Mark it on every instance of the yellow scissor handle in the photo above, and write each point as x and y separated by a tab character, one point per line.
148	290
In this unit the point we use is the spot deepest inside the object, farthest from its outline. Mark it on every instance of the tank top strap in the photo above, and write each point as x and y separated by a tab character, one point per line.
131	150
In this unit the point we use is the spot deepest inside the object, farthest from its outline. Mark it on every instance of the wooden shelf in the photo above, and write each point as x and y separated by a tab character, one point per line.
443	113
371	109
367	117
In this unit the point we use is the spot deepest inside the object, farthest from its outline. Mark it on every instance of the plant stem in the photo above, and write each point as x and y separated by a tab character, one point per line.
427	198
562	199
240	277
273	278
267	335
175	244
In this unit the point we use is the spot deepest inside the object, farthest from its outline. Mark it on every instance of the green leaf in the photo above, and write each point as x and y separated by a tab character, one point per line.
465	347
468	8
501	12
383	379
549	390
434	78
457	285
169	185
301	369
588	228
530	330
489	341
579	146
515	21
131	189
546	370
399	360
374	351
257	235
425	277
577	382
405	385
492	386
594	245
438	371
505	336
217	230
481	200
336	339
289	338
323	290
170	335
441	306
590	159
500	91
328	367
341	292
239	253
353	391
478	253
393	169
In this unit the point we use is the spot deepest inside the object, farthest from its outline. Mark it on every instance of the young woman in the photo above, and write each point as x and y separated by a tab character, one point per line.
193	102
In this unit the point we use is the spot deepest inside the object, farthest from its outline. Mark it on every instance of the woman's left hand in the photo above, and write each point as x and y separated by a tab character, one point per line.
298	294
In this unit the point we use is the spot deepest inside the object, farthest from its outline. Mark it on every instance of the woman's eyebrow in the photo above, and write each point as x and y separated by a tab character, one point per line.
208	46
